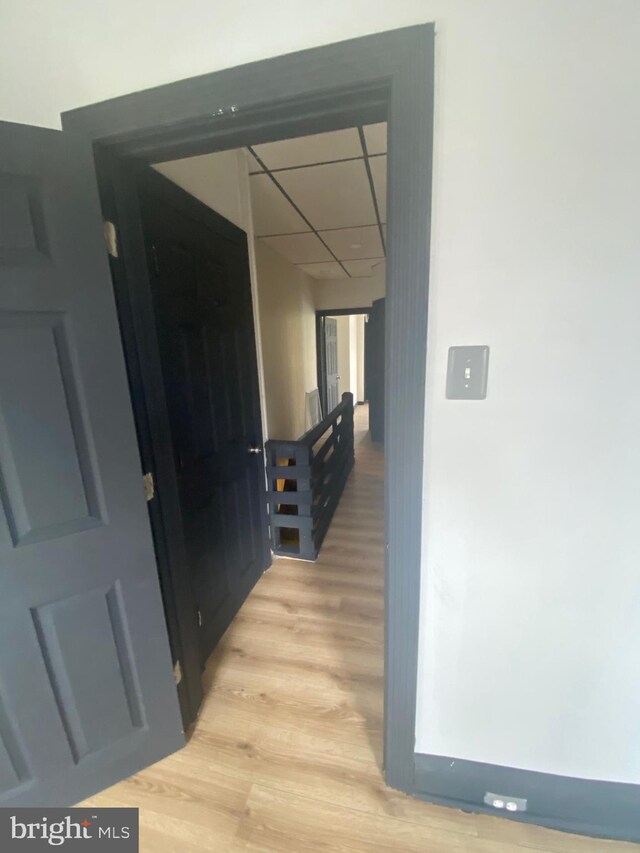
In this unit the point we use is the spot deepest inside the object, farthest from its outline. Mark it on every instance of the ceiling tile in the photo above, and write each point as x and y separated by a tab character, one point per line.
254	166
305	150
353	243
375	137
332	270
300	248
365	269
272	213
332	196
378	167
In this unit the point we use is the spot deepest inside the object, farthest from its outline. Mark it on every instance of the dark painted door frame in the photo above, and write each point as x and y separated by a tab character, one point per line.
375	354
87	696
118	178
221	483
321	348
388	75
383	76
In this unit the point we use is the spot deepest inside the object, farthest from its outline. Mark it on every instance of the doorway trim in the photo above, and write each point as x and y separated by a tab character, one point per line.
383	76
321	348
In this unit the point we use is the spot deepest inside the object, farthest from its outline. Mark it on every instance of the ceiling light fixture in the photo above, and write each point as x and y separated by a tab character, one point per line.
355	246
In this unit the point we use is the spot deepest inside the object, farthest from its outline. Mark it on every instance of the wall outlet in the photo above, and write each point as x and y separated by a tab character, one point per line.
504	801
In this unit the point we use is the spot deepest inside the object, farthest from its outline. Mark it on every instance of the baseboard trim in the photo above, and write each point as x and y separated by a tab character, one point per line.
582	806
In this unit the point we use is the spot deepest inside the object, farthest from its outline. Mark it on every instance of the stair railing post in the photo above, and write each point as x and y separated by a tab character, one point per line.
304	456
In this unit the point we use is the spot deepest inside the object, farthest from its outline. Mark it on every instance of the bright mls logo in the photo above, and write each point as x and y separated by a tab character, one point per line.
90	829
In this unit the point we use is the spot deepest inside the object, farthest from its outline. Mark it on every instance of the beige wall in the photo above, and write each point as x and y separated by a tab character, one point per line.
348	293
214	179
288	333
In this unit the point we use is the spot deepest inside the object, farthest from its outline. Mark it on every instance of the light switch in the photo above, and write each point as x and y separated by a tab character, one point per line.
467	370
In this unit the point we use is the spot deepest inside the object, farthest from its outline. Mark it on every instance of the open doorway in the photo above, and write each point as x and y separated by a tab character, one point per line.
201	316
240	250
356	84
308	636
345	356
350	356
88	580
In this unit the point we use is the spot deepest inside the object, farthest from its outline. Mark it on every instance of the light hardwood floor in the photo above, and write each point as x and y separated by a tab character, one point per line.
286	753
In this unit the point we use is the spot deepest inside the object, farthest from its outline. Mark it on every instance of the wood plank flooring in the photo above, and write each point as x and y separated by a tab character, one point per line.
286	753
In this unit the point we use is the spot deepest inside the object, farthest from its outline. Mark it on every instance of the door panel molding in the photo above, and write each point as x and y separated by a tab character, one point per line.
87	695
94	683
44	496
24	234
13	763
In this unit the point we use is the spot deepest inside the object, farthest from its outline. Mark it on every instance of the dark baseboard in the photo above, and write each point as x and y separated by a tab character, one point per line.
583	806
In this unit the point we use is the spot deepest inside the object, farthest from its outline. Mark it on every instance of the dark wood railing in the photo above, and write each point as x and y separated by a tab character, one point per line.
305	480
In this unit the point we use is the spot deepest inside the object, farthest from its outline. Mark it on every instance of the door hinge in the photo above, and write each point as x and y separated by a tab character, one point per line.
156	266
177	672
149	486
199	618
110	237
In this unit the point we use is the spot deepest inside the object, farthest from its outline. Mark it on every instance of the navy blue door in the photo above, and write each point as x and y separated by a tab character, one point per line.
87	695
201	294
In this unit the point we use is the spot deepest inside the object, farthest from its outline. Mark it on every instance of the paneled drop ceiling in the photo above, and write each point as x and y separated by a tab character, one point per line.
320	201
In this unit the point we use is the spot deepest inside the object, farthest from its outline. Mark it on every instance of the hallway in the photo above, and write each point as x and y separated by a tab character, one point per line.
286	753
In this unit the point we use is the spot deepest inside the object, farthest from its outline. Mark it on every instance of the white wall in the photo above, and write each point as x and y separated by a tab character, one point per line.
67	53
530	648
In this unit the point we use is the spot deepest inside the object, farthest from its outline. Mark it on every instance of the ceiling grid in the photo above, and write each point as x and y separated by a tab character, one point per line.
320	201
